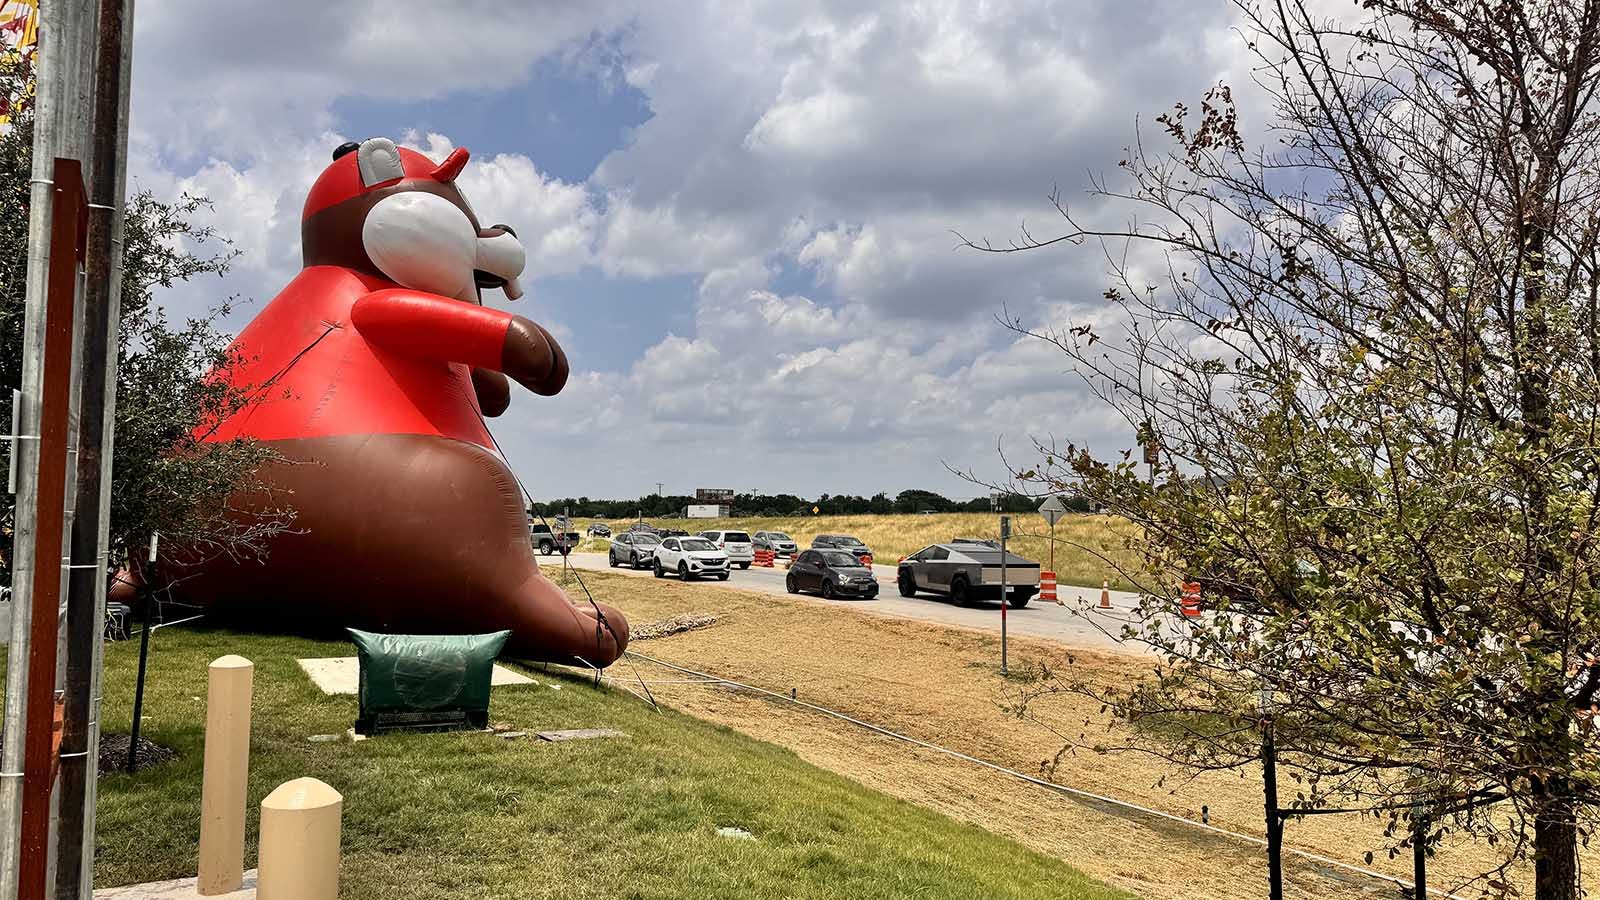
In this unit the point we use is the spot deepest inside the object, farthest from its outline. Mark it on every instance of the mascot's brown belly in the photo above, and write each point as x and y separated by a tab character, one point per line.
401	533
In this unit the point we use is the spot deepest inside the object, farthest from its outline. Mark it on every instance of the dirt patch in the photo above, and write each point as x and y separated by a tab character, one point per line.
114	754
942	685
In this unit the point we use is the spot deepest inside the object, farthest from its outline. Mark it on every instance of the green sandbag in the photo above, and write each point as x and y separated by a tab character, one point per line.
430	681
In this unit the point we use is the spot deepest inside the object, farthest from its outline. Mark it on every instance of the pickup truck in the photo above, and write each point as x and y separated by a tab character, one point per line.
548	542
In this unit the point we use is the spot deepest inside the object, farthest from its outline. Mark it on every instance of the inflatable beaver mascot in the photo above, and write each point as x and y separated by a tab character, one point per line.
371	371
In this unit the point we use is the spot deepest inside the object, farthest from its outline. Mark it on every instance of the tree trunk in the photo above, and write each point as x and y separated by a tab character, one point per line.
1555	848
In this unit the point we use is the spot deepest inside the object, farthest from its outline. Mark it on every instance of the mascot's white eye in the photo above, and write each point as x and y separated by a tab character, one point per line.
422	241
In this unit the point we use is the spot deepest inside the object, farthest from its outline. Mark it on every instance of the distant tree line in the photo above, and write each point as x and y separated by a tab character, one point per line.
908	502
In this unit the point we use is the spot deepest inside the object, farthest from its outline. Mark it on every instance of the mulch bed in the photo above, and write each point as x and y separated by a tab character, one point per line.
114	754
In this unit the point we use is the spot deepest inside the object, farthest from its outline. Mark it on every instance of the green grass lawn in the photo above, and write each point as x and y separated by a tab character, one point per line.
461	815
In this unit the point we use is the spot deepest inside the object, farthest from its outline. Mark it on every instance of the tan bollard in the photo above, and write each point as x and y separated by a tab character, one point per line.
300	842
222	791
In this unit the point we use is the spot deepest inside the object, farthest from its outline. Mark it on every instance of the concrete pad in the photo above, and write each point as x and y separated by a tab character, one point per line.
580	734
342	674
180	889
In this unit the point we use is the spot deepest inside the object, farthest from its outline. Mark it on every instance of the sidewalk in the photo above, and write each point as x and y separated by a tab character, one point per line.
181	889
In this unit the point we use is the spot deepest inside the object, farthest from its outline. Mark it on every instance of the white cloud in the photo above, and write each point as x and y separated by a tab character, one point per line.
835	139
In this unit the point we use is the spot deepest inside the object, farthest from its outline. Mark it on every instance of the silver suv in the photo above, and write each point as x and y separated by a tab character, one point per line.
736	544
779	543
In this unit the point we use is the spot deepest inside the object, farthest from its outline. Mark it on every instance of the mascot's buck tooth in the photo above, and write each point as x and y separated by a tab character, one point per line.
372	368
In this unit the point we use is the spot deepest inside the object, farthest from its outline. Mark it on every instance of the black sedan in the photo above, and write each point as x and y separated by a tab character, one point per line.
832	573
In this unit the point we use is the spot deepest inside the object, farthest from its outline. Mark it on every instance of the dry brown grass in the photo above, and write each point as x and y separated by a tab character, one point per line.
941	684
1083	542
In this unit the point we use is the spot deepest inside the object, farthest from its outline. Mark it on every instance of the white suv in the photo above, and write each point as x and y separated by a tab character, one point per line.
690	557
734	543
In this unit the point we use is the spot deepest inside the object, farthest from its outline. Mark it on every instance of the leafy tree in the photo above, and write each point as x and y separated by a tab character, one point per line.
1370	356
915	501
163	479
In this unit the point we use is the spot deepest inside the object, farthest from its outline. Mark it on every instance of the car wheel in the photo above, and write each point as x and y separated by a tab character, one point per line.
744	565
546	548
660	572
722	576
789	583
960	592
828	593
908	585
611	558
683	571
1019	599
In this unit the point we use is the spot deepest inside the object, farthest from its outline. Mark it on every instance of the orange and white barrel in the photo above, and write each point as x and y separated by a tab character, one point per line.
1191	598
1047	586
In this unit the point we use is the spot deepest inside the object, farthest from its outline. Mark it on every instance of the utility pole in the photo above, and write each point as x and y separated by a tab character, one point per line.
658	489
64	80
86	590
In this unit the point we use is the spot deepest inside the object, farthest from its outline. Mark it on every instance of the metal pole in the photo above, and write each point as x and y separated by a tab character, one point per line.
1419	856
54	104
86	589
138	685
147	594
1269	774
1005	532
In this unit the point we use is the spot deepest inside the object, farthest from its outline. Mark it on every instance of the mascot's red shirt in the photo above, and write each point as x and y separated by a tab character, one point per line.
339	352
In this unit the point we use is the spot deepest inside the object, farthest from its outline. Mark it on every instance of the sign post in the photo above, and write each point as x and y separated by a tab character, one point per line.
1052	509
1005	598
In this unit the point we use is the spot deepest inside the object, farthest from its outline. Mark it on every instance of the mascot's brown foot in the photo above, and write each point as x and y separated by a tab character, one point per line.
546	626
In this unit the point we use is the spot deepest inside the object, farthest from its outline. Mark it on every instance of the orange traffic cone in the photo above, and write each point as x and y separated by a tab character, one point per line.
1105	593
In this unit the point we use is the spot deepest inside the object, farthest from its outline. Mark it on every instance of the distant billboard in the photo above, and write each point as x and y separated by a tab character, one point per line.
714	495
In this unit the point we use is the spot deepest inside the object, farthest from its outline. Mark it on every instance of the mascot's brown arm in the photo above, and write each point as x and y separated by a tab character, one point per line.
493	390
437	327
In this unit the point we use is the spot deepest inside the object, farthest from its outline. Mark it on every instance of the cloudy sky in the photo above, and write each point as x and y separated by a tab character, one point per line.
739	215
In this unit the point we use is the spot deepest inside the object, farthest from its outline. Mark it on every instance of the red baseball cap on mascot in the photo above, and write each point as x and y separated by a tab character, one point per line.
376	163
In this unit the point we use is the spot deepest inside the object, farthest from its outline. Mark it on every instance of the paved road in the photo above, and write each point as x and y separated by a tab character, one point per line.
1068	624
